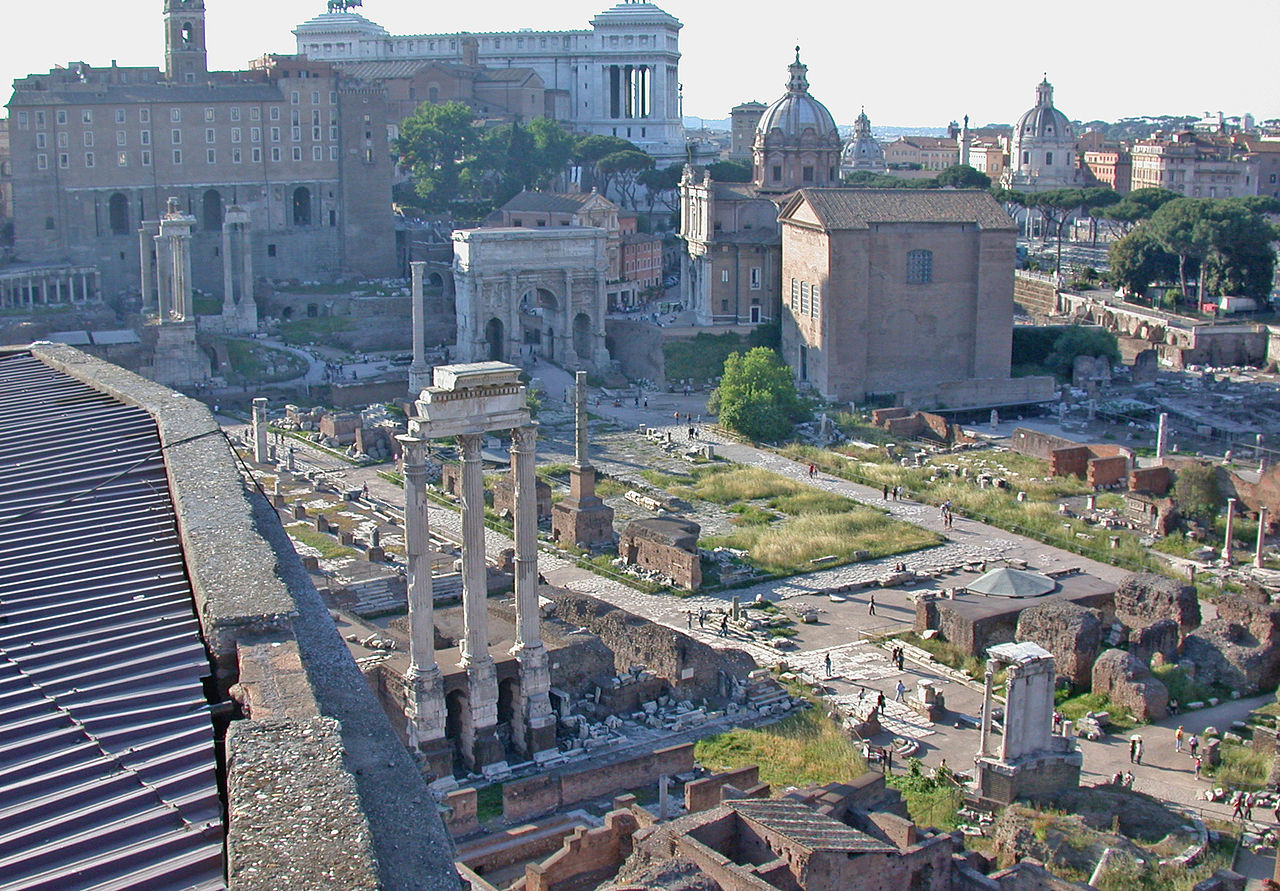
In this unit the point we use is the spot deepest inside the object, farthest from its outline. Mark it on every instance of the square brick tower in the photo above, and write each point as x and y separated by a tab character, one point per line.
582	518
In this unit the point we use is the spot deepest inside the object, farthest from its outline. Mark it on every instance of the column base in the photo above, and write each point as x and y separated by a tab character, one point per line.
437	764
487	754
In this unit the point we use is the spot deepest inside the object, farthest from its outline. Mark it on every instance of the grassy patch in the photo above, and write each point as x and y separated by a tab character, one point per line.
807	747
931	800
256	363
1181	687
1241	767
702	358
489	803
948	654
1074	708
315	330
608	488
327	545
206	305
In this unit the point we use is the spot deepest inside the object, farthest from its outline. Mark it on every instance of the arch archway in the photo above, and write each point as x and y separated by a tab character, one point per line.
435	280
493	338
211	207
509	728
582	336
457	725
302	206
118	214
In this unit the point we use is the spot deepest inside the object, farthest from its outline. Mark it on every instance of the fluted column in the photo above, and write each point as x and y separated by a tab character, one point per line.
228	272
260	451
1262	536
419	373
1231	528
534	709
480	744
424	703
164	279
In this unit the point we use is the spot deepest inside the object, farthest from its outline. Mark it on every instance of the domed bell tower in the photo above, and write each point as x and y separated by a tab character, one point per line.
186	59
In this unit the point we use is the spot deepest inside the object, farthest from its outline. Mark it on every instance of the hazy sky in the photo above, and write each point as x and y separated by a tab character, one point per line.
918	64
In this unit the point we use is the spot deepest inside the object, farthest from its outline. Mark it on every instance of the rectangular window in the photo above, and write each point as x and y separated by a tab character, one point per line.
177	156
919	267
146	159
275	153
275	112
795	295
64	160
175	115
64	141
144	115
144	137
119	115
210	136
755	278
211	156
297	153
235	113
315	97
41	140
295	134
317	153
23	120
88	139
813	302
333	97
724	275
255	113
122	159
315	118
122	138
86	116
295	119
209	115
175	137
61	116
235	134
255	134
315	133
88	159
293	98
333	153
275	134
39	118
333	133
256	156
804	298
42	162
235	156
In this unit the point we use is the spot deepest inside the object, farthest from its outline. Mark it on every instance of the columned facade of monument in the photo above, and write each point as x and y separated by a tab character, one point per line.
467	401
532	292
176	359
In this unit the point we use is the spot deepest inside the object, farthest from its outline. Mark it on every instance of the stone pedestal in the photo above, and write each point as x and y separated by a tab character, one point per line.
582	519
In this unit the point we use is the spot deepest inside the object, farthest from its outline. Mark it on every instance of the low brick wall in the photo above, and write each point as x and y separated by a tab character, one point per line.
704	794
587	857
535	796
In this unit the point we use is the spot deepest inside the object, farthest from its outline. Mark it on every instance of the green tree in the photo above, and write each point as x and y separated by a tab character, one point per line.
1137	260
1183	228
505	163
589	150
622	171
1122	216
662	186
552	146
1010	199
1241	260
730	171
757	396
1196	493
435	142
962	176
1078	340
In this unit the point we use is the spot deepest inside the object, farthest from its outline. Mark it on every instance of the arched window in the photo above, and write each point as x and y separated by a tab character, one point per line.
302	206
211	214
919	267
118	214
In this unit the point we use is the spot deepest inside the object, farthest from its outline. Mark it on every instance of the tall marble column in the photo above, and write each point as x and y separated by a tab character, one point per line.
1231	528
424	700
146	249
480	745
228	273
164	279
984	731
260	451
419	373
534	707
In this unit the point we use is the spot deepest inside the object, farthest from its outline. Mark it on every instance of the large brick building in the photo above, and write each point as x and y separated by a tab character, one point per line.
95	151
905	293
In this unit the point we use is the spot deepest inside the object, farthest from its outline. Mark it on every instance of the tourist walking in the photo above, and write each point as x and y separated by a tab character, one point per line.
899	691
1193	743
871	605
1198	764
828	664
880	703
1133	749
724	625
1237	808
1177	739
885	493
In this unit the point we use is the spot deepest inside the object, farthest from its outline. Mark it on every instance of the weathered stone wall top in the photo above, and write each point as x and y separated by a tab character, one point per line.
229	563
321	793
668	531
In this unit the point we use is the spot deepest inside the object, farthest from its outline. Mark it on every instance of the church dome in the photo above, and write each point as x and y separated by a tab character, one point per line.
1043	121
797	111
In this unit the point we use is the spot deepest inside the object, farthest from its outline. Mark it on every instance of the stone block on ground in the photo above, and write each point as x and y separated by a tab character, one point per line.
1128	682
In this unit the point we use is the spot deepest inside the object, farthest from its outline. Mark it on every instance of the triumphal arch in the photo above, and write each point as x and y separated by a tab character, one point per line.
531	292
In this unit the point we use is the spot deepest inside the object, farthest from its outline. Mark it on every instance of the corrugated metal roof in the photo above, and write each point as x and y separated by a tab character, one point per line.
107	756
